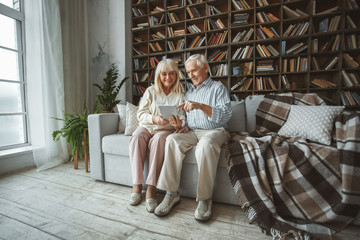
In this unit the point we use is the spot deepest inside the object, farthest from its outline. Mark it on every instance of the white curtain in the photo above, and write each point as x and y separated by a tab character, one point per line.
45	88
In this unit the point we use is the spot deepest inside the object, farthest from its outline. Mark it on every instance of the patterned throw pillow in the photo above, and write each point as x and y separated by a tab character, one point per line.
131	120
122	115
272	112
311	122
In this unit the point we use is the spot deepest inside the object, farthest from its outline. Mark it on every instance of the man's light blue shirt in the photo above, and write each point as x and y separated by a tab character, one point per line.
211	93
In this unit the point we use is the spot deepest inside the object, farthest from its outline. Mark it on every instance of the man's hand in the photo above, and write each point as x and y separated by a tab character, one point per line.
184	129
190	105
175	121
159	120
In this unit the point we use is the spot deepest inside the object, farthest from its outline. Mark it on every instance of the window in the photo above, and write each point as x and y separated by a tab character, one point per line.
13	115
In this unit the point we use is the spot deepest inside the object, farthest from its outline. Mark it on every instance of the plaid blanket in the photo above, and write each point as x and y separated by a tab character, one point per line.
291	186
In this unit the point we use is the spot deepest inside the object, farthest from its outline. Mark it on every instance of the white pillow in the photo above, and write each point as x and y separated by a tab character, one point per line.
122	115
311	122
131	120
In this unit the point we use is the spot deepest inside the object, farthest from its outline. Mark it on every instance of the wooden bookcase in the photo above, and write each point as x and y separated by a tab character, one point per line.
322	28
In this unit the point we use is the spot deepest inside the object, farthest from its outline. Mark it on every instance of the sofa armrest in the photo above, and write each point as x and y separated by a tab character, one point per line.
99	126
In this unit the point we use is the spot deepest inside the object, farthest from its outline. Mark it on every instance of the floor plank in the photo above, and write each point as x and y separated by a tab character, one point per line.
63	203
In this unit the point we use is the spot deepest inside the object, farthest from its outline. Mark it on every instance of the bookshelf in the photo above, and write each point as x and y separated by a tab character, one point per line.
278	45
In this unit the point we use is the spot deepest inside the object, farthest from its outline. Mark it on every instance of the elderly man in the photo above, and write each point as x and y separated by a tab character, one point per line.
207	107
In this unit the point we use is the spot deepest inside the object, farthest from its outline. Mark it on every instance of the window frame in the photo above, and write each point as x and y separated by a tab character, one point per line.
18	15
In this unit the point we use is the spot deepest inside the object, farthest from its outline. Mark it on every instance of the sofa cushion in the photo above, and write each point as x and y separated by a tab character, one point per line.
237	122
311	122
122	117
131	118
117	144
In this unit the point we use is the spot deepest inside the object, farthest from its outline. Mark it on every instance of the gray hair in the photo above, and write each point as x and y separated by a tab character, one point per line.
201	60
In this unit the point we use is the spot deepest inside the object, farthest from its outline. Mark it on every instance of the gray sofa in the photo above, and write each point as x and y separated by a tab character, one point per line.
109	152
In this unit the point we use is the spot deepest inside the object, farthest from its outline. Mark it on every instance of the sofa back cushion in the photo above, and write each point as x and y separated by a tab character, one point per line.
237	122
251	104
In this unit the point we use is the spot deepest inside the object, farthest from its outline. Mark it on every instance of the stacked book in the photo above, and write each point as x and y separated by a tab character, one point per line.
351	79
349	61
265	66
240	19
323	83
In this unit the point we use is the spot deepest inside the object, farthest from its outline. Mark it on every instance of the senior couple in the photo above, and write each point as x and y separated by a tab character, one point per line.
207	108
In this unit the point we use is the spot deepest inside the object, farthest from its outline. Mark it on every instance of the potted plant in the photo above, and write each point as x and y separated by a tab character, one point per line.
109	90
74	130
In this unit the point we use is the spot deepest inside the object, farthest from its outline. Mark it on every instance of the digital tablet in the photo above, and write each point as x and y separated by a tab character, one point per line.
168	110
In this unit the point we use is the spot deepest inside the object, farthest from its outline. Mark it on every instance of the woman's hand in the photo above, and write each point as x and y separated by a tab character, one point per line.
159	120
175	121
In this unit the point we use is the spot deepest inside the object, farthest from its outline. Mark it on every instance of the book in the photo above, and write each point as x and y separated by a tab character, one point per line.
290	13
331	63
323	25
349	61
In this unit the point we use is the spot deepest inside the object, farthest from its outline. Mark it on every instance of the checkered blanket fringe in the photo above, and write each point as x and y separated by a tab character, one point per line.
295	188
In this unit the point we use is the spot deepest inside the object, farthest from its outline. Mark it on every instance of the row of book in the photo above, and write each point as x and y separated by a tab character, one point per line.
154	21
212	10
331	45
240	4
219	70
214	24
197	42
327	66
176	32
139	63
264	83
349	61
350	79
179	45
330	24
141	78
296	29
139	90
138	12
218	55
352	41
350	98
297	48
266	33
193	12
155	47
217	38
243	36
266	51
299	64
194	29
264	17
158	35
243	52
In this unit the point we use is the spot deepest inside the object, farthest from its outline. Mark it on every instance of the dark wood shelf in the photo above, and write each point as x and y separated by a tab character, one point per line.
302	78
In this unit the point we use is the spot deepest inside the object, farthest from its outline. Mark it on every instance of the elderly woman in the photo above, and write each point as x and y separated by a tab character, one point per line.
153	130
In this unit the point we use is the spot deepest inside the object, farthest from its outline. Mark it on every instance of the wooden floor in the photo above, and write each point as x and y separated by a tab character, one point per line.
63	203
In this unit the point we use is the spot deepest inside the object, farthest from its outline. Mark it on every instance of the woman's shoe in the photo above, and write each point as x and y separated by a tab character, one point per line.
135	199
151	204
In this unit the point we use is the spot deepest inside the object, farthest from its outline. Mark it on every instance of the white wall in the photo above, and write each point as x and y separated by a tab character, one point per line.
109	42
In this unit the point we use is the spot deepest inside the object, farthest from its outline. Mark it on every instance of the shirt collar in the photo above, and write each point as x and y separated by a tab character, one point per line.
205	83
